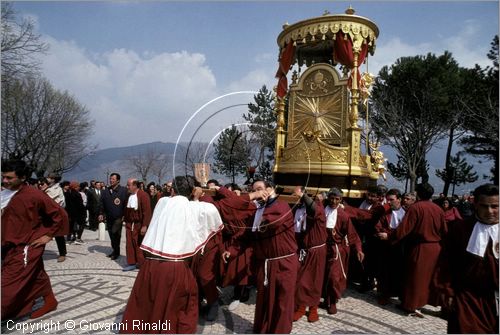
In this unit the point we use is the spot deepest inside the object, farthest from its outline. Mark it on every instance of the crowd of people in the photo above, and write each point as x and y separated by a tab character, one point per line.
186	242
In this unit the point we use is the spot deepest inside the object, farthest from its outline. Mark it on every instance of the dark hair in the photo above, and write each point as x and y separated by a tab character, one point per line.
232	186
136	182
117	175
424	191
394	191
381	190
335	192
267	183
151	184
64	183
486	190
19	167
83	185
214	181
183	185
43	180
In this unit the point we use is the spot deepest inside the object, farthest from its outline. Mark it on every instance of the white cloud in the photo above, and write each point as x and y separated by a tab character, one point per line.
133	98
463	45
254	80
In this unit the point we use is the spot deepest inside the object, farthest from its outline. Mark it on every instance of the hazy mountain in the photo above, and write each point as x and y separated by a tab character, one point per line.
99	165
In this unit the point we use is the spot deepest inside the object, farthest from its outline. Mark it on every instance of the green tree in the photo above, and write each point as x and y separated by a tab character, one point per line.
459	173
262	124
232	152
481	105
411	103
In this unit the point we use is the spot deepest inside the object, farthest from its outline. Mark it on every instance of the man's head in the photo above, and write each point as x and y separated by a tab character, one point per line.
14	174
424	191
98	185
183	185
132	185
409	199
233	187
65	185
53	178
263	185
486	203
212	183
43	184
114	179
334	197
393	197
372	196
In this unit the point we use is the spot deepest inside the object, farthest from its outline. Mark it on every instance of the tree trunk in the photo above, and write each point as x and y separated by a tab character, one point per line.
447	163
413	180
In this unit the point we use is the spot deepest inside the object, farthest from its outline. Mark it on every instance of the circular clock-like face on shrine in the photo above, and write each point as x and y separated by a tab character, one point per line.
318	110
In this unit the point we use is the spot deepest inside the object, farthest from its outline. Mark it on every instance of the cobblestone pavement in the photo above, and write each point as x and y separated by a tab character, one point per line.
92	292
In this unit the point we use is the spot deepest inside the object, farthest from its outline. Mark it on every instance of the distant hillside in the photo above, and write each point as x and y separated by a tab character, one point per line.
102	162
98	165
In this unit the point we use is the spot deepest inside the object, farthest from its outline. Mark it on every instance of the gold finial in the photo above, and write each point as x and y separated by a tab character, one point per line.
350	10
326	12
285	25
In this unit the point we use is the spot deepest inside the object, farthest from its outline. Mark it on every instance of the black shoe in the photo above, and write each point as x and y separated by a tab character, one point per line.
114	257
110	255
213	310
245	294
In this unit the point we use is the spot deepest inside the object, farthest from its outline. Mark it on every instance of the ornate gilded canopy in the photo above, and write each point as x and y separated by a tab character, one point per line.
319	140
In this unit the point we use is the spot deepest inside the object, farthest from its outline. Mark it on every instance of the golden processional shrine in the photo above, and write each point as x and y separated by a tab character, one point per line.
318	139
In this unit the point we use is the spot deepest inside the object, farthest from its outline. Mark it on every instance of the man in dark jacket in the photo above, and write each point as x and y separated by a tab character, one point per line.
114	200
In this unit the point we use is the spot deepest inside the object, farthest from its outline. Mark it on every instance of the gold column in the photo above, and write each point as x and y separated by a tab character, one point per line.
280	130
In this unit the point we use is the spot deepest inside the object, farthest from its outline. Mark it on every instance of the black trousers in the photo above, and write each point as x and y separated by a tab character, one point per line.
61	245
115	234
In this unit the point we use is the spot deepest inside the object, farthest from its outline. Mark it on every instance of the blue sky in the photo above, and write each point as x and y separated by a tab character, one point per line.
149	66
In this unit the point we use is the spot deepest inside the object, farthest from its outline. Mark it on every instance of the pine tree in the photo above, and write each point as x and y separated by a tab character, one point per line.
232	153
262	124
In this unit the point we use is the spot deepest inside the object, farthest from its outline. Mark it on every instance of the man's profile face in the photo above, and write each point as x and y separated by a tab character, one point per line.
394	202
11	181
131	187
487	209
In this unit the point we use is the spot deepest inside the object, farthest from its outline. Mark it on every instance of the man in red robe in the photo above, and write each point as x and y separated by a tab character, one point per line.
310	224
237	251
422	230
468	268
275	249
29	220
341	236
165	290
137	217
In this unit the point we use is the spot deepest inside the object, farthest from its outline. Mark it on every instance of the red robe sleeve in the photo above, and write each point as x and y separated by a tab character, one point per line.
145	206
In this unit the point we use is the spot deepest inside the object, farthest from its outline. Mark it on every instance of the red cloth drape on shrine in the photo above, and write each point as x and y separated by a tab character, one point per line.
342	53
284	66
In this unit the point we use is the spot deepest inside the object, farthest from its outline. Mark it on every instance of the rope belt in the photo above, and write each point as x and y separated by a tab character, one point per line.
25	253
340	261
165	259
303	252
266	281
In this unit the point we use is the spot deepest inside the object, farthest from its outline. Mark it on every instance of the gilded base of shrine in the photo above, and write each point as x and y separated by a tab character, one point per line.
352	186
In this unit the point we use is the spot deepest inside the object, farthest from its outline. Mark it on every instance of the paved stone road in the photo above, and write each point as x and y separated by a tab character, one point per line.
92	292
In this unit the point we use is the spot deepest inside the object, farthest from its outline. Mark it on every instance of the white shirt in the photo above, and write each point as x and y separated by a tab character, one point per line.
133	202
481	235
396	217
6	196
331	217
300	219
258	216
